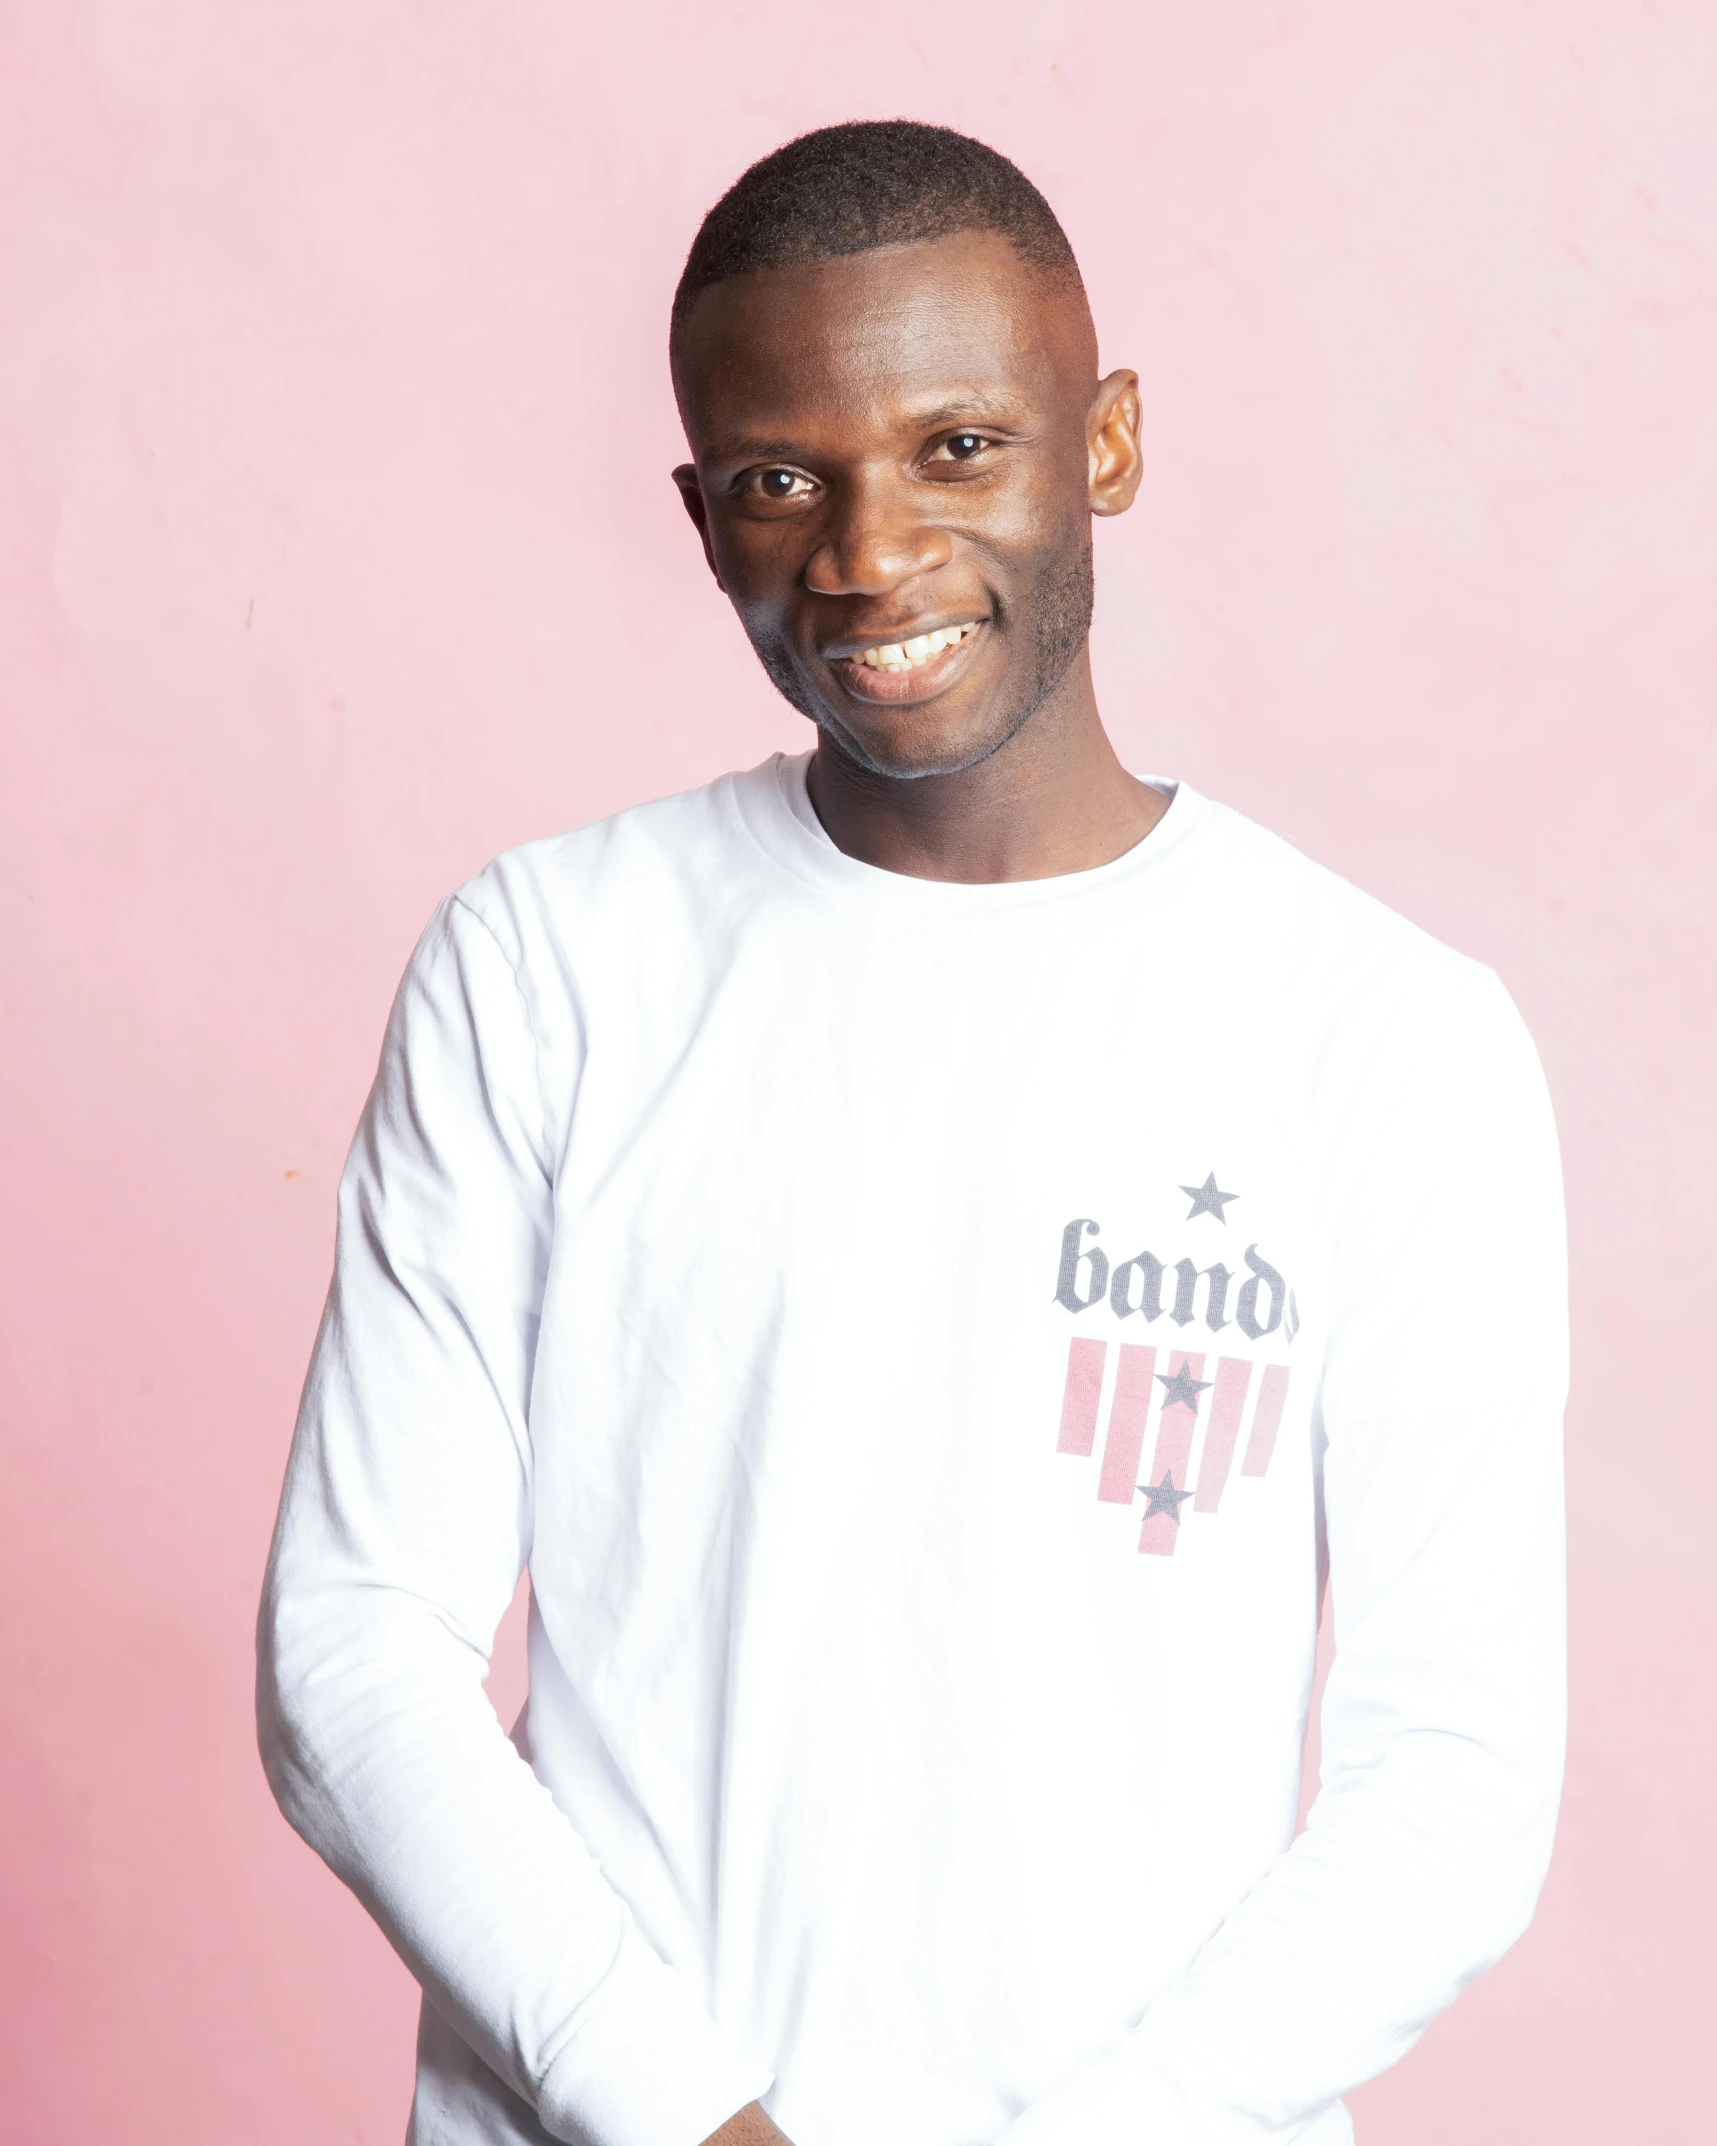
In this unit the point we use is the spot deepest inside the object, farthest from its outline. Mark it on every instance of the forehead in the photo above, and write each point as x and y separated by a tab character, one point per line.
872	340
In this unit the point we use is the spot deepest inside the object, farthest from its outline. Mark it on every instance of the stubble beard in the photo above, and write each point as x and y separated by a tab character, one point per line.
1059	625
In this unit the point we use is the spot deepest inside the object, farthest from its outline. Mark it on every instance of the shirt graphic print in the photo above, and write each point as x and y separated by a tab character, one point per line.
1168	1381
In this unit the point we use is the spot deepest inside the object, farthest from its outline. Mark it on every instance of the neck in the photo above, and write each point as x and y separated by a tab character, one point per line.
1053	799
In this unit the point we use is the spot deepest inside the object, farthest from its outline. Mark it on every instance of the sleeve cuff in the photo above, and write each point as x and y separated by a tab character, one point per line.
645	2064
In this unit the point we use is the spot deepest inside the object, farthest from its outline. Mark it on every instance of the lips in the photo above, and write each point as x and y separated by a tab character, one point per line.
914	668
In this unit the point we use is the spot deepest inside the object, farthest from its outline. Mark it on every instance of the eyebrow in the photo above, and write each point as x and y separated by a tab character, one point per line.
750	450
977	408
997	409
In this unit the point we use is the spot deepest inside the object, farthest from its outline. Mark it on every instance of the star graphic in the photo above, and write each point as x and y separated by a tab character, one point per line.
1183	1389
1164	1498
1206	1200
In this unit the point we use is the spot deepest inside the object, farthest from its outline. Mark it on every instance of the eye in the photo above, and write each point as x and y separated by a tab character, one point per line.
958	447
780	487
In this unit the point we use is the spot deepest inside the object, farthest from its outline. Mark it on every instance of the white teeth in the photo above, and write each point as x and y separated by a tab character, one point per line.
906	656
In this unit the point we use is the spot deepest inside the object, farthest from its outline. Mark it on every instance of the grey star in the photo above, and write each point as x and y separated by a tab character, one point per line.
1206	1200
1183	1389
1164	1498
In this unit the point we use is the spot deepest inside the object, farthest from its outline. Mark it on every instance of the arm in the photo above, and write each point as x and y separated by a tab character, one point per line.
1443	1719
404	1526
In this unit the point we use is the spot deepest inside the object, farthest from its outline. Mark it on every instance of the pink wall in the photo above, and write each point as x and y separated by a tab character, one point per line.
337	552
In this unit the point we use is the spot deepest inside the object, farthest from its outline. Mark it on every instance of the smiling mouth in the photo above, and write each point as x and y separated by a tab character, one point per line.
907	670
910	655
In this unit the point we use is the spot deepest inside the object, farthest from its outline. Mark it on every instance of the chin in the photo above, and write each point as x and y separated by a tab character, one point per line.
914	744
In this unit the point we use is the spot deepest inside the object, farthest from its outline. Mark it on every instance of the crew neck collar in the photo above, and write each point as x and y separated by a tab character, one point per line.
775	805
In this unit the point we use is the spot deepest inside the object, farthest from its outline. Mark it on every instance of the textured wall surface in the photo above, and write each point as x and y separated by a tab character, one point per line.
337	552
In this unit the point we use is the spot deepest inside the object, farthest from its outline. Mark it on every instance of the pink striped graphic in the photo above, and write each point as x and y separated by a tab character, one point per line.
1272	1393
1175	1426
1084	1391
1227	1401
1118	1483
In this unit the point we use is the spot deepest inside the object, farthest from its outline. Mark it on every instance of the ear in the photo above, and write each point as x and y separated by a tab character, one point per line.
1112	438
692	499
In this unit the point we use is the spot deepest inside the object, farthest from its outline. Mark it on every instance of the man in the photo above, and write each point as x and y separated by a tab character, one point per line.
931	1251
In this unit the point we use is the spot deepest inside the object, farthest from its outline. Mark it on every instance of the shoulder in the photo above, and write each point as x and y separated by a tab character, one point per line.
1419	1033
1318	934
1385	1018
623	879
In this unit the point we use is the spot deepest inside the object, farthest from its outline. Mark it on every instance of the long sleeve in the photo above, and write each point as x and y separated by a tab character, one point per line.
404	1526
1443	1719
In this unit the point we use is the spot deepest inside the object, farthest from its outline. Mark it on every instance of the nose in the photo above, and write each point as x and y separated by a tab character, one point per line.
875	539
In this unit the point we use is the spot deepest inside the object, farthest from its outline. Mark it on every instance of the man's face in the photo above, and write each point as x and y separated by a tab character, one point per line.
898	454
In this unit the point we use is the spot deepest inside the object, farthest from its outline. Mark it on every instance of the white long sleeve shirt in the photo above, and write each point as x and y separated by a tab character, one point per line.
926	1341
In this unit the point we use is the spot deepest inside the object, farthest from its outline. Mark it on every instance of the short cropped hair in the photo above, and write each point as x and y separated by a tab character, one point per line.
869	183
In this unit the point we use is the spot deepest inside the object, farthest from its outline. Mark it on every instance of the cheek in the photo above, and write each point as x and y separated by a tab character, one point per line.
1032	542
760	563
1039	511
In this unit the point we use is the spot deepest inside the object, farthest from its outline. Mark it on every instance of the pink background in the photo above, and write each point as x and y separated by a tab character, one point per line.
337	552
